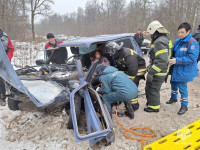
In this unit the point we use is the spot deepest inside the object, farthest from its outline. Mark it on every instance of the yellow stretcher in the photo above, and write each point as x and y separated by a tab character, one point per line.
187	138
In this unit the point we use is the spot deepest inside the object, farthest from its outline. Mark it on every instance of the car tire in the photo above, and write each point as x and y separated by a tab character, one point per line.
77	102
13	104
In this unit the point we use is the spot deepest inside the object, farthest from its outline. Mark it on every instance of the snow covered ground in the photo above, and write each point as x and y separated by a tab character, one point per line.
26	53
38	131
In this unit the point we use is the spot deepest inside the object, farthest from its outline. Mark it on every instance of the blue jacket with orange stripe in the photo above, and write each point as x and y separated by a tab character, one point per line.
186	56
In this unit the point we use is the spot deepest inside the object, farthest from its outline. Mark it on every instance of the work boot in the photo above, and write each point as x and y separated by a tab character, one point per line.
171	101
2	101
135	106
129	110
182	110
149	109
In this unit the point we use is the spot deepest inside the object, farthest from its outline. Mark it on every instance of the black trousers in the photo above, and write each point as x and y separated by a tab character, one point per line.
137	80
152	91
2	88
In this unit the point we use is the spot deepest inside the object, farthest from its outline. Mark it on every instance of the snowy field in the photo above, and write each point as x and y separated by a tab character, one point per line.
37	131
26	53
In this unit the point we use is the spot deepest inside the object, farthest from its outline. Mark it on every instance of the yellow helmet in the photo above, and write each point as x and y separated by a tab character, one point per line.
156	26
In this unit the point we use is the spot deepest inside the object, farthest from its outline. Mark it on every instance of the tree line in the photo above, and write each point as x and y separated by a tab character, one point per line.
122	16
17	17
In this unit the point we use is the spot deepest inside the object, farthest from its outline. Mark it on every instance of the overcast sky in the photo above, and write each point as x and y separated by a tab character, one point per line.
65	6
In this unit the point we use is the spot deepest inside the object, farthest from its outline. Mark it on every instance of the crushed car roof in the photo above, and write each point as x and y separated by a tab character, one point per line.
87	42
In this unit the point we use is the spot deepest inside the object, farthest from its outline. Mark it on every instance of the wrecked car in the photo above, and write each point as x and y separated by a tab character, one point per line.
48	87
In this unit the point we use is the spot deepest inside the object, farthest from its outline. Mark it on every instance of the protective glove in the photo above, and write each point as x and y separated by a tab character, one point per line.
97	89
172	61
149	77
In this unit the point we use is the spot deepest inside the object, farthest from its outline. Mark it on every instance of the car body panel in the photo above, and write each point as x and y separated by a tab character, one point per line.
95	131
102	39
9	75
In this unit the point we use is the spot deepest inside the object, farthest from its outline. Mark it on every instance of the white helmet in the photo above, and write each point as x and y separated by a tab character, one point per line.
112	47
156	26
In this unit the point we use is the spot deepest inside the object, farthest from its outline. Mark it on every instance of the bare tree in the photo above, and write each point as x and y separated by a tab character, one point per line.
39	7
13	22
117	16
3	14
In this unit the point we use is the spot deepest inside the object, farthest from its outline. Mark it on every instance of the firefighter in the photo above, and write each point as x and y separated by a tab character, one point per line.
158	69
7	44
130	62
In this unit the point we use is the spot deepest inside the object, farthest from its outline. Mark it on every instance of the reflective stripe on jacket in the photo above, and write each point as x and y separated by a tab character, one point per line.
130	62
160	54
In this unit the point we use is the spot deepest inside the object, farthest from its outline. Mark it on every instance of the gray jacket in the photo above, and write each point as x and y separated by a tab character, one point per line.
4	40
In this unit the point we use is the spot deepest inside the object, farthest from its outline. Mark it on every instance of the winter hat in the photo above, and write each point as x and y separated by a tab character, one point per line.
50	35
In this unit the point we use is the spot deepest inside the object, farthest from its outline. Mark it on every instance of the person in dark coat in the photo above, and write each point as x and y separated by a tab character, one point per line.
8	47
139	38
196	36
116	87
59	56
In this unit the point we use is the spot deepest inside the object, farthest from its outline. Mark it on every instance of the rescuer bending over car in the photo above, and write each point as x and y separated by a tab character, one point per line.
116	87
128	61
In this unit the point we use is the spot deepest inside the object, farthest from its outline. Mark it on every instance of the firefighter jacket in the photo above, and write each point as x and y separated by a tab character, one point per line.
130	62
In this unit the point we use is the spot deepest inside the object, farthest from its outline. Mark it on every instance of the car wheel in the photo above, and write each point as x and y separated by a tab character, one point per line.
13	104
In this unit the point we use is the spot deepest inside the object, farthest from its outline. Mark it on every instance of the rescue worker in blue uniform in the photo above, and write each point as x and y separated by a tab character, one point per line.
184	65
116	87
158	69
